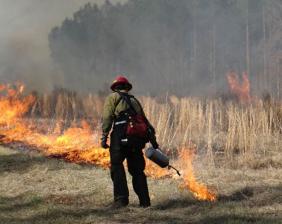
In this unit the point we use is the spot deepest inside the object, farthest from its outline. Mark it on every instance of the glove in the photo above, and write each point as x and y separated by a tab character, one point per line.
104	142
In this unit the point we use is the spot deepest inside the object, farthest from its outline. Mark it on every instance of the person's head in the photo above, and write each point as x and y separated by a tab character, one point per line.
121	84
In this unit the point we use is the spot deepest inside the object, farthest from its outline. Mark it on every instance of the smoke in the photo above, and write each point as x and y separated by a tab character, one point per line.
24	47
179	46
184	47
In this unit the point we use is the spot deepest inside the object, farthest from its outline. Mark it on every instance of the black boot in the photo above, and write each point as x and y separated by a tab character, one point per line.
119	203
145	204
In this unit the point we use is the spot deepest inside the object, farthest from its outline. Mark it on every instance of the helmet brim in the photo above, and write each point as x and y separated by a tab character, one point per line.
127	85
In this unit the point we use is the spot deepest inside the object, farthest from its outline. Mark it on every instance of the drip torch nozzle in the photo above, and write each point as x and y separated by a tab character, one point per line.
177	171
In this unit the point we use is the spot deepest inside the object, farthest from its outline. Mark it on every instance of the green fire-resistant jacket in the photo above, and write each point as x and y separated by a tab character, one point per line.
113	107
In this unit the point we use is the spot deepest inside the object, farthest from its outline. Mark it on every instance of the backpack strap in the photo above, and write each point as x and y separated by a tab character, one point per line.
117	103
127	100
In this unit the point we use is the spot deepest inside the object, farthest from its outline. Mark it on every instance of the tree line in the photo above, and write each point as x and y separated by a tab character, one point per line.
183	47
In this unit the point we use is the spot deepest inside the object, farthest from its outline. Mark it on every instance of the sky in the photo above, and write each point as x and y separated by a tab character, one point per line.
24	29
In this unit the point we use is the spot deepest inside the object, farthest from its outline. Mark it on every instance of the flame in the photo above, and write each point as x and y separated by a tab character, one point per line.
12	106
200	191
78	144
242	91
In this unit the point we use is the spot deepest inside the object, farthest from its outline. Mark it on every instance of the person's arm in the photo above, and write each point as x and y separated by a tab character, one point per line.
107	119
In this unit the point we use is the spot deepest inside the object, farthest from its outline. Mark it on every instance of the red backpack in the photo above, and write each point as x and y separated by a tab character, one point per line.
137	124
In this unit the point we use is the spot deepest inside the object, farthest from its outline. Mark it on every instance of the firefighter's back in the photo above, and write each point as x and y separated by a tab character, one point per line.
121	105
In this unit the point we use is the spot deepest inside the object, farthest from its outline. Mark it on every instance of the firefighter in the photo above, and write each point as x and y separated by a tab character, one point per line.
113	118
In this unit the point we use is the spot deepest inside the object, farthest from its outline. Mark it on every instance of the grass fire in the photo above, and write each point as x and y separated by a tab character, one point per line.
78	143
140	111
35	123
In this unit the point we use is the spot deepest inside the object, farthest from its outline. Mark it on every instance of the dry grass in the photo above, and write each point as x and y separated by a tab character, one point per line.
36	190
225	131
239	153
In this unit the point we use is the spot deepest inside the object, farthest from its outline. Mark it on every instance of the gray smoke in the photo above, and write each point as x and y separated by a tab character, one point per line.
180	46
184	47
24	50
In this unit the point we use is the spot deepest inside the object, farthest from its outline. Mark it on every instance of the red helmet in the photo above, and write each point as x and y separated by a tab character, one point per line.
121	80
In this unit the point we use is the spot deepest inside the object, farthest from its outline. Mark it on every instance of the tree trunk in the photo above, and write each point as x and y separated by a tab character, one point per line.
265	78
247	41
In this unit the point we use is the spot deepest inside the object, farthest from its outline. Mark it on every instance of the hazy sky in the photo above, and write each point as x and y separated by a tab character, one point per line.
36	17
24	28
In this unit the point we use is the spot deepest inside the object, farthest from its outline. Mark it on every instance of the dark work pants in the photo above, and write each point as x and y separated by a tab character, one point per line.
136	166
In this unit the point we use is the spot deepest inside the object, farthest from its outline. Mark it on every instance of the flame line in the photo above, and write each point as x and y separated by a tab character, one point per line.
77	144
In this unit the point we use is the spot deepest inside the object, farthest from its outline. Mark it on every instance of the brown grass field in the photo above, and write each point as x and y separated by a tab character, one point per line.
35	189
238	153
227	132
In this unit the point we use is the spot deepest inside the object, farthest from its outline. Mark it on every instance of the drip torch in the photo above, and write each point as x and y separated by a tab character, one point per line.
158	157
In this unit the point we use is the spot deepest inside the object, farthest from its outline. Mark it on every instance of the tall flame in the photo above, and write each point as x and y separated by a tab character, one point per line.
200	191
242	91
79	143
